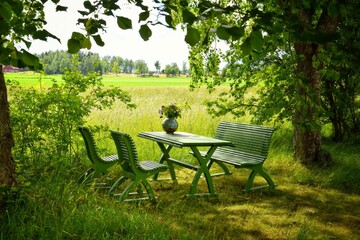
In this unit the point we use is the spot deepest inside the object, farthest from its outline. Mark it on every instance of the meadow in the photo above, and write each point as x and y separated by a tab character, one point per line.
121	80
308	203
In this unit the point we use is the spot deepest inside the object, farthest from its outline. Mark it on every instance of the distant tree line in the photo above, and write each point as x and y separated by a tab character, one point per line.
56	62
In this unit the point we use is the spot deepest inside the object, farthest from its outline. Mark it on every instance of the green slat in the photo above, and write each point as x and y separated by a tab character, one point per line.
248	138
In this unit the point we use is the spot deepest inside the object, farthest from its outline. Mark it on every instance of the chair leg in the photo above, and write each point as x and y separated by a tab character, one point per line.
128	189
139	189
116	185
149	190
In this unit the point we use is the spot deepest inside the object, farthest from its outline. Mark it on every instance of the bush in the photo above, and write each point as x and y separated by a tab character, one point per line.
45	121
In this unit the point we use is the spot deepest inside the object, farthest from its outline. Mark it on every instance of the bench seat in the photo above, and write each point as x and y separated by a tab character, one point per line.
237	158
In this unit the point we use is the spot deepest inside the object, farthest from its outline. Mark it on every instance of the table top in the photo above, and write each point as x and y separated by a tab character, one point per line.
183	139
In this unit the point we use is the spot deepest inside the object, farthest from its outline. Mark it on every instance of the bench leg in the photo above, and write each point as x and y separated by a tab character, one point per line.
258	170
224	168
250	181
267	177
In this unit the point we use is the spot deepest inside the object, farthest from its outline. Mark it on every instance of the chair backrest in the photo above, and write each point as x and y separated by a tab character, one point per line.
90	144
248	138
128	158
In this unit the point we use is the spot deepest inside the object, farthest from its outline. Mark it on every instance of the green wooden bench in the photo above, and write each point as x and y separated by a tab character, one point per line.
99	165
251	145
134	170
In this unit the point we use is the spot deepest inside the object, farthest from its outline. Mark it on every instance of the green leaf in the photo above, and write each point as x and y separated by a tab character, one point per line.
98	40
246	47
256	40
43	35
27	43
124	23
188	16
83	13
86	43
92	26
145	32
88	5
333	75
140	4
61	8
30	59
77	36
5	10
4	55
143	16
55	1
192	36
222	33
74	45
168	20
278	27
205	42
235	32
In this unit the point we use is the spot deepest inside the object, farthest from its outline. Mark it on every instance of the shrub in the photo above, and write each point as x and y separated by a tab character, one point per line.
45	121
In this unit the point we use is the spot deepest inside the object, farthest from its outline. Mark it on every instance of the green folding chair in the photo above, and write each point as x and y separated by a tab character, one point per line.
135	171
99	165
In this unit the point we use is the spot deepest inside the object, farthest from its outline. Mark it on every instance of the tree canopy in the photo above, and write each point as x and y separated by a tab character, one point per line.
278	47
172	70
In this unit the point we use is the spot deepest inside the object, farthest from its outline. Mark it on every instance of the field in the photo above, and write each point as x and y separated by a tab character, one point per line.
121	80
307	203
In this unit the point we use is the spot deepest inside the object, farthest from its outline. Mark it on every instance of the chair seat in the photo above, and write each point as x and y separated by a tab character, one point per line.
110	158
150	166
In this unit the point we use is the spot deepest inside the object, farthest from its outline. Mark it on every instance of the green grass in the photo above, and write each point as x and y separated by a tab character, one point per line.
121	80
307	204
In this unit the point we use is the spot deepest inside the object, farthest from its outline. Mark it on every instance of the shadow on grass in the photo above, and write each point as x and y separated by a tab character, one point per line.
291	211
343	175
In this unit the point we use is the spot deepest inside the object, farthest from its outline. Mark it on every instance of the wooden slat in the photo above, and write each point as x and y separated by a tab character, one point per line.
246	137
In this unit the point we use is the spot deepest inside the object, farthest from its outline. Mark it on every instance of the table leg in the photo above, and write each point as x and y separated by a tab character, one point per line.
203	168
164	157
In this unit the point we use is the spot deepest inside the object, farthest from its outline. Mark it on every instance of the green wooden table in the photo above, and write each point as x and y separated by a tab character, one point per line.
182	139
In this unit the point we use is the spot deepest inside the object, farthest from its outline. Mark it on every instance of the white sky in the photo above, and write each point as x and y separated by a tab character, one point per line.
165	45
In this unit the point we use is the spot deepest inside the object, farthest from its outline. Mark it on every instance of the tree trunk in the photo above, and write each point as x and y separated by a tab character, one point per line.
307	139
7	164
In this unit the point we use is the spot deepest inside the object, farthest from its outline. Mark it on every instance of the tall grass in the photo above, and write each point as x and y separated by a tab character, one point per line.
146	117
307	203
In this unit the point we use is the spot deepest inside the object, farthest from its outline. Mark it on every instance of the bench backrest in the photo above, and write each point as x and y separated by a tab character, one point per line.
248	138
